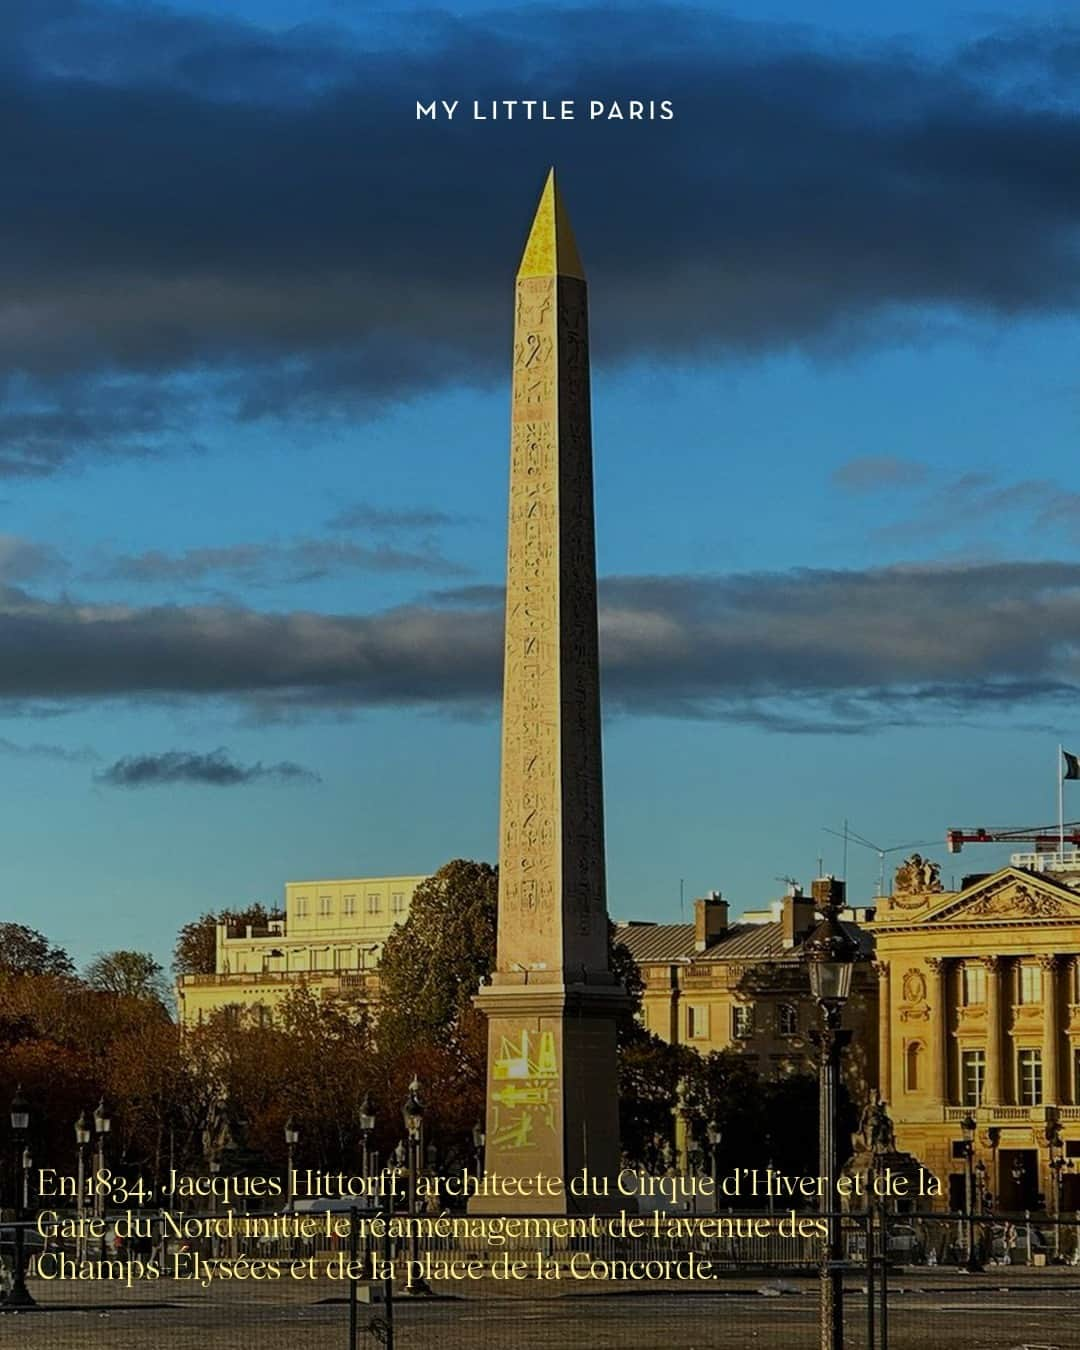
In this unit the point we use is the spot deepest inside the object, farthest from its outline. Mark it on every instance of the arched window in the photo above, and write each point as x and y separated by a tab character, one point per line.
787	1019
911	1067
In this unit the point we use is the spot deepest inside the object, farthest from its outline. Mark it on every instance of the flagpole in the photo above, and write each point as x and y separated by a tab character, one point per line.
1061	807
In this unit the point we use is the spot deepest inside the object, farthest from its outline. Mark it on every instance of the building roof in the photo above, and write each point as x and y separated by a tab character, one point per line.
651	942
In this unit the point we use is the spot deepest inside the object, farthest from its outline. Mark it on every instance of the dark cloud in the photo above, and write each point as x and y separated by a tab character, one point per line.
184	766
809	648
301	561
265	204
47	422
874	473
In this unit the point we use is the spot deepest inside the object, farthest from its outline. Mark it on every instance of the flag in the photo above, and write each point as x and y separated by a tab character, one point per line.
1072	765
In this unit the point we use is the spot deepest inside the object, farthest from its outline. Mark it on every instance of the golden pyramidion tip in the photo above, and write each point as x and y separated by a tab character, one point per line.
550	250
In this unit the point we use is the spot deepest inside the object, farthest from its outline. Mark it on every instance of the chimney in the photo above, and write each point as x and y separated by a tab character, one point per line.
796	918
710	921
827	891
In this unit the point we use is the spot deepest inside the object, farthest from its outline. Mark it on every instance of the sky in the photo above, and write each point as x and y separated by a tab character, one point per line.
255	324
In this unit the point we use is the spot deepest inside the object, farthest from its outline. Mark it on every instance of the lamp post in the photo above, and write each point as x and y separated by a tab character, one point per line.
102	1126
27	1163
412	1113
1059	1165
367	1126
715	1135
830	954
967	1147
19	1296
479	1139
292	1138
980	1187
82	1139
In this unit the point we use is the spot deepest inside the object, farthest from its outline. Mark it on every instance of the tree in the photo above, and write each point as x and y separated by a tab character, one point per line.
25	951
196	942
130	974
432	964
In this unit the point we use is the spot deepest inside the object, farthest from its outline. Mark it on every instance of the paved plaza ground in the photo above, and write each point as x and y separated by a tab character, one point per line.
999	1310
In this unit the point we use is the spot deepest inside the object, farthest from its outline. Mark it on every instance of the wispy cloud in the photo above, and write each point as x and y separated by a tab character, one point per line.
264	563
215	769
875	473
42	750
365	516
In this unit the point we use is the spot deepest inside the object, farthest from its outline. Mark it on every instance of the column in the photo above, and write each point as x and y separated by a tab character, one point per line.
881	969
939	1027
1051	1075
994	1066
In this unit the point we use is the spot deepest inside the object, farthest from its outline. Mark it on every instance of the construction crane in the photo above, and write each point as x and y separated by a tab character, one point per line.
1043	838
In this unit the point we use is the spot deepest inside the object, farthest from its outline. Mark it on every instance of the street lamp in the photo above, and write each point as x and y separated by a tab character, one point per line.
82	1139
830	953
412	1113
102	1126
714	1134
367	1125
292	1138
1059	1165
967	1147
19	1296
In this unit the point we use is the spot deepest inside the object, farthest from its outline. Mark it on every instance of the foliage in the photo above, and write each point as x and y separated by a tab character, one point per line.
25	951
196	941
130	974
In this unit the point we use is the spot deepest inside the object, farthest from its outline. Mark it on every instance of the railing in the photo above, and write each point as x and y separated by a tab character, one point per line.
347	979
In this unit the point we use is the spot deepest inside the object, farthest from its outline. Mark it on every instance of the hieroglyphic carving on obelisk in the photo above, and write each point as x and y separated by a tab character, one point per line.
552	1002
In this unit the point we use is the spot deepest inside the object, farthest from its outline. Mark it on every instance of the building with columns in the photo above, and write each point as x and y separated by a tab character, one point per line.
979	1014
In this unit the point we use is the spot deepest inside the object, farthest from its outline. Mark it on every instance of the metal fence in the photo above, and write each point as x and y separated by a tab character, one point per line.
966	1282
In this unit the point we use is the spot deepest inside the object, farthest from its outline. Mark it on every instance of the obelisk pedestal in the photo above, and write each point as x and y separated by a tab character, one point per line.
552	1003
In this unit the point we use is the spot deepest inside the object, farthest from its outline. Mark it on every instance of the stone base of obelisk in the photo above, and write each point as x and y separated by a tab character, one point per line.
552	1096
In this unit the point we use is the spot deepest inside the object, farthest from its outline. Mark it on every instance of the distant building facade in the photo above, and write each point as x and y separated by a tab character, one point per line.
715	984
980	1015
330	938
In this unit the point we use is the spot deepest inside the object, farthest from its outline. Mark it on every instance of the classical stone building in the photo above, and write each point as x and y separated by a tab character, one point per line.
980	1013
718	984
330	938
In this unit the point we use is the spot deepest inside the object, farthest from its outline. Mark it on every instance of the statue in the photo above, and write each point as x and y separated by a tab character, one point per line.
876	1129
917	876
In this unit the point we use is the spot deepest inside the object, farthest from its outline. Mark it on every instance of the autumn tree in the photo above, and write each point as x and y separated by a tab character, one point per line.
196	942
130	974
25	951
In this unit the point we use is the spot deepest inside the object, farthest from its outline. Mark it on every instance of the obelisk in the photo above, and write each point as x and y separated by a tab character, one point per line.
552	1002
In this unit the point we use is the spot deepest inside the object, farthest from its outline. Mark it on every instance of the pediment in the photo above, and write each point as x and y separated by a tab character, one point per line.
1009	896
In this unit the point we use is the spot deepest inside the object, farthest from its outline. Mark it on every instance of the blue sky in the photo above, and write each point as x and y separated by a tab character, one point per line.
254	333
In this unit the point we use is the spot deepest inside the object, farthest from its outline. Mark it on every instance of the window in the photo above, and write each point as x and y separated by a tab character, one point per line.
787	1019
973	1076
1030	1075
301	906
374	903
974	983
911	1066
1030	990
742	1021
326	905
348	904
397	902
697	1021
